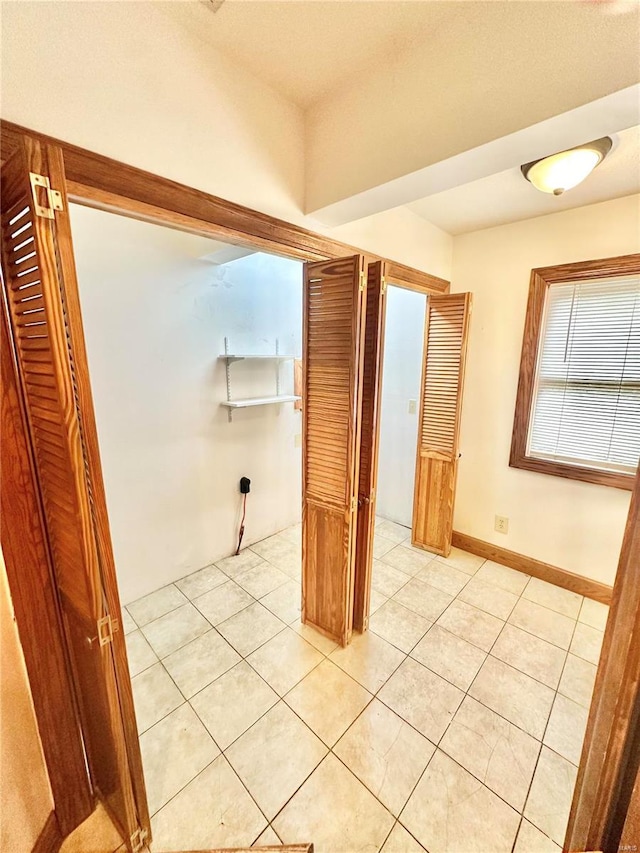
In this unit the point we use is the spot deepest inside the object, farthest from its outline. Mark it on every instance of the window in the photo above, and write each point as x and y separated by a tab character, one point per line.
578	405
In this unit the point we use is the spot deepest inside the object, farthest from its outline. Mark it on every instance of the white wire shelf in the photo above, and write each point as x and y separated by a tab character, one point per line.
260	401
263	356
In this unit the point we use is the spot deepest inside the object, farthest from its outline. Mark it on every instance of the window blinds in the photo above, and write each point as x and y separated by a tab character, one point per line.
586	407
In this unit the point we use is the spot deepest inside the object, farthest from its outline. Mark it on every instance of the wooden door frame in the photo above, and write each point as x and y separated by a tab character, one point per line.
103	183
100	182
610	759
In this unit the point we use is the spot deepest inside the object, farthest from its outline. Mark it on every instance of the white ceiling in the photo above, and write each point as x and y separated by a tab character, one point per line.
507	197
315	51
306	50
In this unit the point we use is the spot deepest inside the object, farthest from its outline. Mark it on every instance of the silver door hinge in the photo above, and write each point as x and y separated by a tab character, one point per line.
53	197
363	281
138	840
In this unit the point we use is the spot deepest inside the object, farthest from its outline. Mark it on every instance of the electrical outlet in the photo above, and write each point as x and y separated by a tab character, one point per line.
297	441
412	406
501	524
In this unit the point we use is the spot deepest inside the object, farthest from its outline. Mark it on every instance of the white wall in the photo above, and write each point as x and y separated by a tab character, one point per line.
402	370
576	526
155	318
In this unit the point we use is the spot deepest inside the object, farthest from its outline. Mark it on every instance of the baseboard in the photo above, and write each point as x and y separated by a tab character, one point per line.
536	568
50	839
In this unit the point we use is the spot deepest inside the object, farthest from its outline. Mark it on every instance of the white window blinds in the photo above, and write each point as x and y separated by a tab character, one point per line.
586	408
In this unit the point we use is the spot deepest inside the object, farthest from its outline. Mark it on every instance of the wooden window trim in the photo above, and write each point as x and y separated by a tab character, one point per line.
106	184
541	279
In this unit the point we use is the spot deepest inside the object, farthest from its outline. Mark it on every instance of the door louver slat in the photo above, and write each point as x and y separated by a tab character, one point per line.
446	328
39	286
332	364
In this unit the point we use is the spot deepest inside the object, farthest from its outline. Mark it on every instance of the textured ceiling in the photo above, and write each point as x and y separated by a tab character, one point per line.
508	197
308	49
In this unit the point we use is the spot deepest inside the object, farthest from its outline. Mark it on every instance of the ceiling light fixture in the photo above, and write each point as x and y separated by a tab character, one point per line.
566	169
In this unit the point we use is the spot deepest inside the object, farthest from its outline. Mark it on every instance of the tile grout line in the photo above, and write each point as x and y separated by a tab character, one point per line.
221	751
522	817
326	656
467	692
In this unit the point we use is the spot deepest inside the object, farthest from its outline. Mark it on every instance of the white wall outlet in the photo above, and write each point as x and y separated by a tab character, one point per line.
501	524
413	405
297	441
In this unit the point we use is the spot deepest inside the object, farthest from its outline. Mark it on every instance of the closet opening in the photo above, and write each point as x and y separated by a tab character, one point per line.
193	348
399	418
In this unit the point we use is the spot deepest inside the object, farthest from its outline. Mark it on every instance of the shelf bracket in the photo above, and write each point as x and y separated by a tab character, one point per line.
227	363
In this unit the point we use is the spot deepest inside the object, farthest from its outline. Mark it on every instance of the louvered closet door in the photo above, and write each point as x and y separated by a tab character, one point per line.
43	306
445	345
369	437
333	326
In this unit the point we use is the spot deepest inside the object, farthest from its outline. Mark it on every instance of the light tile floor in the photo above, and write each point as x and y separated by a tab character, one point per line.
455	724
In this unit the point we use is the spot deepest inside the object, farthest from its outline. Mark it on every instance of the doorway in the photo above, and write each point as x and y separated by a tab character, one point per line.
191	347
368	667
401	377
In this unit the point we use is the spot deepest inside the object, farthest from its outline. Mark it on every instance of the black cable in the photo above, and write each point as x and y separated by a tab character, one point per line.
241	534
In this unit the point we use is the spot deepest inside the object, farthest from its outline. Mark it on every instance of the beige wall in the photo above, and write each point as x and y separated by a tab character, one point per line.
25	796
122	79
403	236
576	526
92	74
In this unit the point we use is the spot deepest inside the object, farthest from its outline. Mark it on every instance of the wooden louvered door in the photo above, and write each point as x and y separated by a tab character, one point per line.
44	311
369	436
445	344
334	294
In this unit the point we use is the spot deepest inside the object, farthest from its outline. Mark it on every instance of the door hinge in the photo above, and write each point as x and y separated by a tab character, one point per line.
363	280
106	629
53	197
383	285
354	504
138	840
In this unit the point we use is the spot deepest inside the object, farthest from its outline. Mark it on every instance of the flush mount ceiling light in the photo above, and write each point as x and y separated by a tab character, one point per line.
566	169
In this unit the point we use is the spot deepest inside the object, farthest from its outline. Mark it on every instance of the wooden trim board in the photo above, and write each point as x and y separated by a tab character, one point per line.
536	568
611	749
50	838
98	181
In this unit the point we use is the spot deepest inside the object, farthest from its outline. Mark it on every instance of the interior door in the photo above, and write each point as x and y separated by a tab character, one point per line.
445	345
46	327
334	323
369	440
